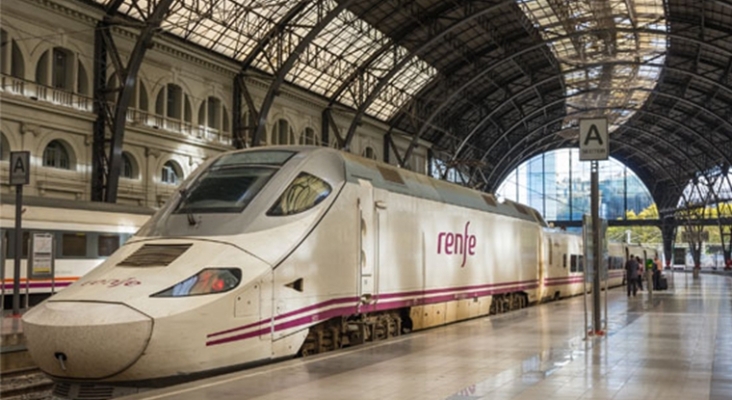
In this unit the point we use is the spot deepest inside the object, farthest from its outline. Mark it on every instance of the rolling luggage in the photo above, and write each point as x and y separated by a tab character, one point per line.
662	283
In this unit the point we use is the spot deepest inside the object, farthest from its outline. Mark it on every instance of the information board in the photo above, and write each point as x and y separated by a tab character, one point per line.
41	261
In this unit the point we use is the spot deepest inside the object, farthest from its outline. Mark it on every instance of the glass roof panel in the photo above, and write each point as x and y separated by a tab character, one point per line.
234	27
584	33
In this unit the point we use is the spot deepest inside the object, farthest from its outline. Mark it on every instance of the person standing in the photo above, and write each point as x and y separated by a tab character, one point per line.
648	272
631	275
639	274
657	267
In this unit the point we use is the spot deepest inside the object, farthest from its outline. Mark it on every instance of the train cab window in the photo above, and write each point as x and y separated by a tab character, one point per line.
304	193
230	183
73	245
107	244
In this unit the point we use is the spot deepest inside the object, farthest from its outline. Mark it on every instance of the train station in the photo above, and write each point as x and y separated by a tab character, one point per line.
339	199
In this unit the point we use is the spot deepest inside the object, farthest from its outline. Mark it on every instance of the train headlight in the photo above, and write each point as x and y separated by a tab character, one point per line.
208	281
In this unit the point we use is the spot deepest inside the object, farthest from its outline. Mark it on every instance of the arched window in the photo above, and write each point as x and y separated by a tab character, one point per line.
56	156
308	137
4	147
139	96
10	51
175	107
129	168
282	133
369	153
171	173
60	69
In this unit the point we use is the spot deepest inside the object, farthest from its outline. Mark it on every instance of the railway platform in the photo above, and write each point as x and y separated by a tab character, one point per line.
677	345
13	353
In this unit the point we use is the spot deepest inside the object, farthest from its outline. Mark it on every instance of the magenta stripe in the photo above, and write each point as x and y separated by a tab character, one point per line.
286	315
355	299
342	311
445	290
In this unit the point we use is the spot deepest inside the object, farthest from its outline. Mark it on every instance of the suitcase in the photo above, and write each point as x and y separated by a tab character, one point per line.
662	283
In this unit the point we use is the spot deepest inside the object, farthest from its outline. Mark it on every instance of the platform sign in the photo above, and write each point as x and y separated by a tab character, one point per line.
19	167
41	262
593	139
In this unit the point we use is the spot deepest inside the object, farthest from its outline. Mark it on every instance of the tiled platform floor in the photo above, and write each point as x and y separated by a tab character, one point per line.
678	346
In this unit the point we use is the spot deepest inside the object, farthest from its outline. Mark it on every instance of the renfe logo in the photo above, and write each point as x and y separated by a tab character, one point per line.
457	243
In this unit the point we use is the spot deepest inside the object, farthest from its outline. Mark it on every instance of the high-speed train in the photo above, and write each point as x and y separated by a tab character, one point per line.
84	233
271	252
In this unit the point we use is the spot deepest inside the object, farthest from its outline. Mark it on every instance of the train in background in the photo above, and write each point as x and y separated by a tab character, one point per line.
267	253
85	234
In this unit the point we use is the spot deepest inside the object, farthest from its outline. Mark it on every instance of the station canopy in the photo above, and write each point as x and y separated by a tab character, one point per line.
492	83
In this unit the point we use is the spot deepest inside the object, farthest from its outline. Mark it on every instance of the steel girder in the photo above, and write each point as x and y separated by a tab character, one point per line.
240	88
556	102
505	168
539	146
453	98
105	180
488	118
432	40
284	69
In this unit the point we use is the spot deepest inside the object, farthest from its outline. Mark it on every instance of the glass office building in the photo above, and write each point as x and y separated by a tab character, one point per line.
557	184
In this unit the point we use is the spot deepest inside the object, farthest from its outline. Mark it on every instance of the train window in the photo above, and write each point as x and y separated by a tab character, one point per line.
107	244
73	245
304	193
224	189
578	263
10	250
564	260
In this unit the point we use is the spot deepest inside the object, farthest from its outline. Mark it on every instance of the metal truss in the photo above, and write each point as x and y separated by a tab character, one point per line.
539	111
106	168
454	97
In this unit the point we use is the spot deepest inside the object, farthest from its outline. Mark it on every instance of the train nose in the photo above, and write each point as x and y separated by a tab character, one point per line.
85	339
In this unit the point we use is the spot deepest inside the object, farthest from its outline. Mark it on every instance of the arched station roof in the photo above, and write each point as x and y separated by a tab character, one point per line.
491	83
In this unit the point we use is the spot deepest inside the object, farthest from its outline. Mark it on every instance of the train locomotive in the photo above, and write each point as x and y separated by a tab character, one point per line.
272	252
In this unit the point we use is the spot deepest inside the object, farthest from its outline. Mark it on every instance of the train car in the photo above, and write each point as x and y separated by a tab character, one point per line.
268	253
85	234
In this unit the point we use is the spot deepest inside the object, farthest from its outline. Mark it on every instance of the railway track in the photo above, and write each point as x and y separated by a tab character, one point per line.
25	384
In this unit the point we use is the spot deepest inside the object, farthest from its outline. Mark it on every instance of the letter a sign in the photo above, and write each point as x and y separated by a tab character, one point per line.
593	139
19	167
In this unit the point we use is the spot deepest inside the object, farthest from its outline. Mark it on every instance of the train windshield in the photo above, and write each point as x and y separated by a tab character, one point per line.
230	183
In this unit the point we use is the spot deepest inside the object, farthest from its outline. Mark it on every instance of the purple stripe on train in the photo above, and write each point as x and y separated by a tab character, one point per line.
342	311
377	297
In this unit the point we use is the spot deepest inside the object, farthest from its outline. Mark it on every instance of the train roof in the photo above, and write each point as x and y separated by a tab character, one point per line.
34	201
410	183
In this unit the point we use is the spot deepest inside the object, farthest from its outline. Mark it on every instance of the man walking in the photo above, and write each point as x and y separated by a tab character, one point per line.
631	275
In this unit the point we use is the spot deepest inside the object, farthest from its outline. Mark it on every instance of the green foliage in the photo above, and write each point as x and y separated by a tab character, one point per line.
638	234
651	234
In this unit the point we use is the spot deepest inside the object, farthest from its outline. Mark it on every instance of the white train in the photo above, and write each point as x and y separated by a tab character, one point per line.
85	234
267	253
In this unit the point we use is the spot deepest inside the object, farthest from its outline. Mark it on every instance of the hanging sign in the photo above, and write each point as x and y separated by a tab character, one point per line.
19	167
593	139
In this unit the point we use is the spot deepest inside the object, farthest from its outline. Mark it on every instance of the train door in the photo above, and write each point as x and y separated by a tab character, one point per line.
368	240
